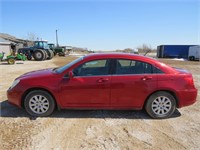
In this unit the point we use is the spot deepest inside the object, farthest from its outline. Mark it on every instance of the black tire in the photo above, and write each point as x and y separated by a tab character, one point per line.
61	54
39	103
54	53
160	105
38	55
45	55
50	54
11	61
29	57
191	58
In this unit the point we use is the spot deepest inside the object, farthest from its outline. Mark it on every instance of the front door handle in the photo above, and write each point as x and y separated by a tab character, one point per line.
146	78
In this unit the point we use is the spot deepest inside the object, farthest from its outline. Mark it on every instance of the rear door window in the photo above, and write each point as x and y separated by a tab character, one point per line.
124	66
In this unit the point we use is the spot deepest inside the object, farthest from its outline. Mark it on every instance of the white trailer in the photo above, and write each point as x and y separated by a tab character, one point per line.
194	53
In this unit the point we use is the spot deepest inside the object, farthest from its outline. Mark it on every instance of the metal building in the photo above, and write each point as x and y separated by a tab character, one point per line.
5	46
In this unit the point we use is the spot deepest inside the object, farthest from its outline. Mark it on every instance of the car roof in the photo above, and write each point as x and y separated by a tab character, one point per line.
165	68
119	55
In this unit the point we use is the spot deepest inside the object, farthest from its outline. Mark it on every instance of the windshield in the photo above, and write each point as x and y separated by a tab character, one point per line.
63	68
51	45
46	46
41	44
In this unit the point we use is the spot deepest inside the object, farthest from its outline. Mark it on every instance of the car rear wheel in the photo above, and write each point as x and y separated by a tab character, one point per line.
39	103
161	105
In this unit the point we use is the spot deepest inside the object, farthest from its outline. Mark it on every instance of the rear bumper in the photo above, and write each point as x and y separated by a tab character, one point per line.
187	97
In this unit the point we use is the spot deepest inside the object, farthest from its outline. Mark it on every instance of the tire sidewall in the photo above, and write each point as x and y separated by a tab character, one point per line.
52	54
191	58
150	100
49	54
11	61
35	55
29	57
45	54
43	93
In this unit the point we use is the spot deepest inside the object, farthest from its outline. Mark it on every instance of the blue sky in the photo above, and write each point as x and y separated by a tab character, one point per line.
104	24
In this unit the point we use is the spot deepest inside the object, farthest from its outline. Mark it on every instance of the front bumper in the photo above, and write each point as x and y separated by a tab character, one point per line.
14	97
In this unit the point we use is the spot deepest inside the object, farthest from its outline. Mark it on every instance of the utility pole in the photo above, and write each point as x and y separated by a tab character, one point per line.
57	38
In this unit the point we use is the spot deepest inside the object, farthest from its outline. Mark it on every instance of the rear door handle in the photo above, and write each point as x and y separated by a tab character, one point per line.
101	80
146	78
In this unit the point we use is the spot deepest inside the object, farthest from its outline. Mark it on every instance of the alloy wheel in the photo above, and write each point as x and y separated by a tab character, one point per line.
161	105
39	104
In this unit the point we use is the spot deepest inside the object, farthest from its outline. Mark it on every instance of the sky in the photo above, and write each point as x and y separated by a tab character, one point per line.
104	24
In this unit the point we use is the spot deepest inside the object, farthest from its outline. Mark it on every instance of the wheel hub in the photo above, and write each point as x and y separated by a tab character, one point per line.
39	55
39	104
161	105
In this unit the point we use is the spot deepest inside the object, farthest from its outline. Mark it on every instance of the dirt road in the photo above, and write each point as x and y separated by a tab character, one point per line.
115	130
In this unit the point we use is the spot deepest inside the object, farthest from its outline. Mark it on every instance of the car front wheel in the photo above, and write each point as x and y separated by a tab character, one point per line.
160	105
39	103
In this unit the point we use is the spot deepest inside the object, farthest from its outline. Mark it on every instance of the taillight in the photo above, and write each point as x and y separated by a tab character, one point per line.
190	82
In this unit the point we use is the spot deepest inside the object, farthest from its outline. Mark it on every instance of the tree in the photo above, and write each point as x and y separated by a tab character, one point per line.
31	37
144	48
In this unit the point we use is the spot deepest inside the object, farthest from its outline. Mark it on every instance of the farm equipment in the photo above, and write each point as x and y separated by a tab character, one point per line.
40	51
11	58
61	51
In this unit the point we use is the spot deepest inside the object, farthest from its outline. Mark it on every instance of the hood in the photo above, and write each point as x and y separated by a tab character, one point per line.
37	73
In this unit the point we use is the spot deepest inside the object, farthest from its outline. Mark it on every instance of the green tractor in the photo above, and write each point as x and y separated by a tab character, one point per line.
40	51
60	50
12	57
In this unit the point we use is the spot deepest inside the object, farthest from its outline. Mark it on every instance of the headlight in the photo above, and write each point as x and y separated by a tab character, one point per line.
14	83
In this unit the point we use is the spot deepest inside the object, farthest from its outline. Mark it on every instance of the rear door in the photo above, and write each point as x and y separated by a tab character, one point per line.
131	83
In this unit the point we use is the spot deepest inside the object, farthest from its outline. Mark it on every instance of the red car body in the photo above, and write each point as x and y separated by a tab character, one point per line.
107	91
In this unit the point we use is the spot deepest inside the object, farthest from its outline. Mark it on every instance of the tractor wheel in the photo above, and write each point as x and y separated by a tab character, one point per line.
11	61
38	55
51	54
45	55
54	53
61	54
29	57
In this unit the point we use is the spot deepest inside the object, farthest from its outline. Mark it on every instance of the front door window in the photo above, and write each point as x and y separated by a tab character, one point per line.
93	68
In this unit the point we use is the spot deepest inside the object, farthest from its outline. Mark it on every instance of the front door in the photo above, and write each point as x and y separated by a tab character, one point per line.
90	86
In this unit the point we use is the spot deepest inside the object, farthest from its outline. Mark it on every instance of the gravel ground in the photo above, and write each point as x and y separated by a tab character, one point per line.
115	130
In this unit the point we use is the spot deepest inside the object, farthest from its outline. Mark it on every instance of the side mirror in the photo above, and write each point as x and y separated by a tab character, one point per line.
71	74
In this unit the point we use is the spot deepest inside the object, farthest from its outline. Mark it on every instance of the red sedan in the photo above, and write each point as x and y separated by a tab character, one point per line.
105	81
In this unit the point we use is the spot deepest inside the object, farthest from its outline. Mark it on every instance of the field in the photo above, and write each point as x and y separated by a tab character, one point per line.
90	129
